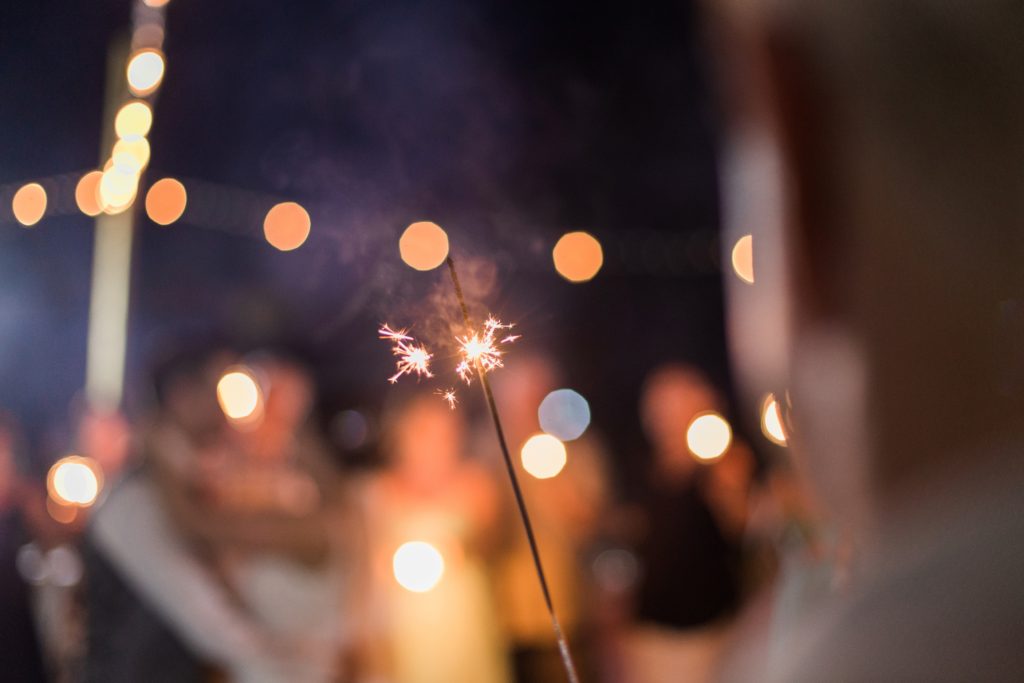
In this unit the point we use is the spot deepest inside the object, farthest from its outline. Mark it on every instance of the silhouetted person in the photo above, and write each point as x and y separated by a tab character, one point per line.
876	151
21	658
692	516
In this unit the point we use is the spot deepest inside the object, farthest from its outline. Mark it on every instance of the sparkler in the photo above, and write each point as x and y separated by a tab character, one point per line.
411	358
448	395
481	349
480	353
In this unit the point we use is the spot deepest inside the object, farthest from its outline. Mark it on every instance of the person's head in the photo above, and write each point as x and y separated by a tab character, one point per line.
290	392
8	460
519	390
672	396
875	153
186	390
425	438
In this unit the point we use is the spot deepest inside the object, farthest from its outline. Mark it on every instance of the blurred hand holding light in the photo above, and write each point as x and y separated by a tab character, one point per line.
771	421
743	258
708	436
29	204
578	256
239	395
145	71
165	201
565	414
133	120
423	245
543	456
74	480
286	226
418	566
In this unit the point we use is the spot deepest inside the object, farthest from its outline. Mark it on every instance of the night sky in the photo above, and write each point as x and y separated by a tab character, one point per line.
508	123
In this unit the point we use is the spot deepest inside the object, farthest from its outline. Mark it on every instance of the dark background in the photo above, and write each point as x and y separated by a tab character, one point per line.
508	123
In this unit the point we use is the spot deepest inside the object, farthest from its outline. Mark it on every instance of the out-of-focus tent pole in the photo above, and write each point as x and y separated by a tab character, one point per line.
111	266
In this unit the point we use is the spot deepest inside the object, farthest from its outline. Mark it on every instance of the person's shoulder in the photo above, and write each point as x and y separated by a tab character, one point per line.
948	606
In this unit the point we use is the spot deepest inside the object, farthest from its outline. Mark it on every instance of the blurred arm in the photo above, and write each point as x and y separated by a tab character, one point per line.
132	530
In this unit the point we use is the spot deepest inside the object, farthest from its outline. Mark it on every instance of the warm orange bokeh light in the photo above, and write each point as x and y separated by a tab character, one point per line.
87	193
578	256
29	204
743	258
771	421
423	245
708	436
286	226
145	71
165	201
155	3
74	480
133	120
543	456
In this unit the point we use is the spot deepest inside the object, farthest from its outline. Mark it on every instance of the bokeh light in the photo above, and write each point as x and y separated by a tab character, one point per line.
145	71
564	414
133	120
117	189
87	193
543	456
155	3
130	155
165	201
286	226
709	436
578	256
423	245
771	421
743	258
74	480
239	395
29	204
418	566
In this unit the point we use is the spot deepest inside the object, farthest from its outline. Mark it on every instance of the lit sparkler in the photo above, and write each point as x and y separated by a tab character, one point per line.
448	395
411	357
481	349
481	352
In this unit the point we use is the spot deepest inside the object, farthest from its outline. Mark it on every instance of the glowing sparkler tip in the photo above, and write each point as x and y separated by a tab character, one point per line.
481	350
411	358
449	396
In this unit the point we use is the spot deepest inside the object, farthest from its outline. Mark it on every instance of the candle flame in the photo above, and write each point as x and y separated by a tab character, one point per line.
411	357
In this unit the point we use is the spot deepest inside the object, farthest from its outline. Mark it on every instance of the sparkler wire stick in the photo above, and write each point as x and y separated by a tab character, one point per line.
524	515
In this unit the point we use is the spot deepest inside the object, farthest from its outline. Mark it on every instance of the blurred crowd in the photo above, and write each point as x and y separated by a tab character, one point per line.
224	537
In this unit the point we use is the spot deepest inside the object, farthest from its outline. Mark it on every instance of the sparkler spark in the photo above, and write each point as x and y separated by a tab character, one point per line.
448	395
481	349
411	358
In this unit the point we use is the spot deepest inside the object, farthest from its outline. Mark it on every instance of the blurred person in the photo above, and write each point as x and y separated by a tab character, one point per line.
277	520
565	511
874	148
21	657
693	516
162	602
431	493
